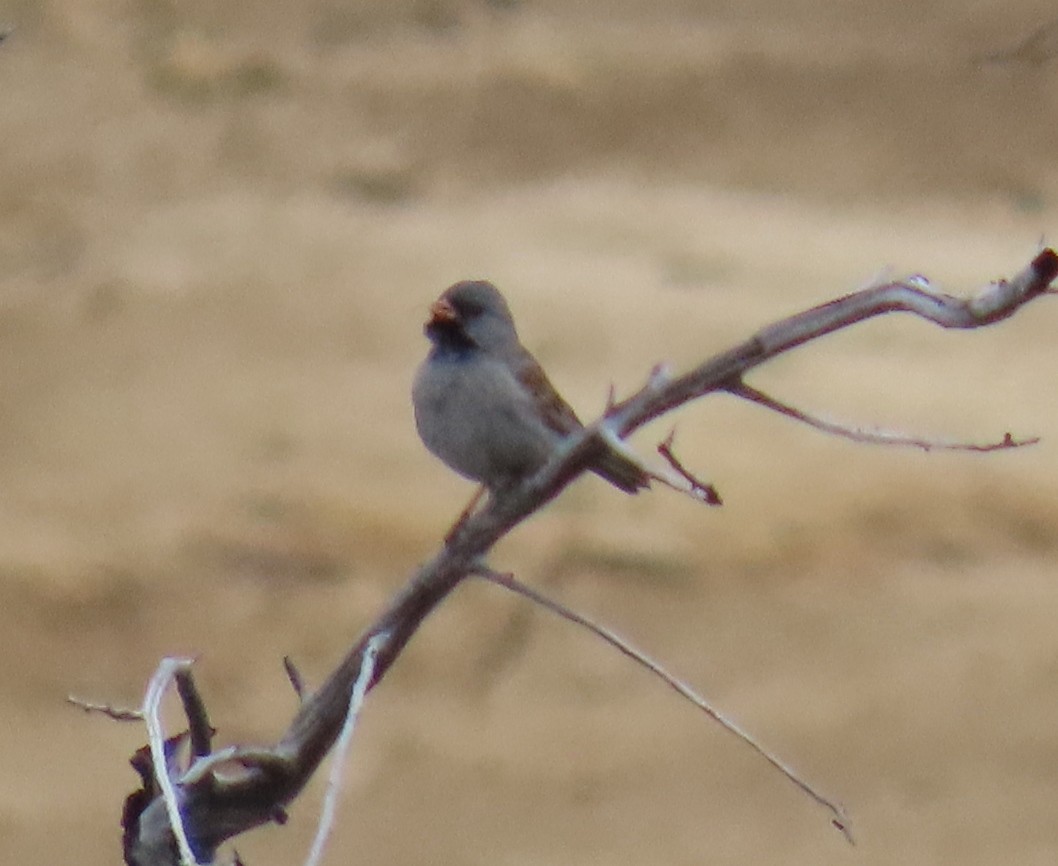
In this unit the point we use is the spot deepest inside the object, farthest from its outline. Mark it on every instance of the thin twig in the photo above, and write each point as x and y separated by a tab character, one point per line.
198	725
872	437
508	581
163	676
341	749
118	714
297	682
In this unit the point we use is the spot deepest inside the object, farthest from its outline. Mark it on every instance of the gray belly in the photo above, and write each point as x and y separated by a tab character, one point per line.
479	422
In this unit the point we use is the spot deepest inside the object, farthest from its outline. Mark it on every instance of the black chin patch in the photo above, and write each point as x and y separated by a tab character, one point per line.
448	335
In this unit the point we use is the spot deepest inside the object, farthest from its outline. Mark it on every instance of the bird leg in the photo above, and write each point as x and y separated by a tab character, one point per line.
465	515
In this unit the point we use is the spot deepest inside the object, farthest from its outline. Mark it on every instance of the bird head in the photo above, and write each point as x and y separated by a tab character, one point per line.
471	314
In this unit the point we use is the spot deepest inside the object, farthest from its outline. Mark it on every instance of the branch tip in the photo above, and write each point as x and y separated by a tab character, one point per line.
1045	266
842	825
117	714
297	682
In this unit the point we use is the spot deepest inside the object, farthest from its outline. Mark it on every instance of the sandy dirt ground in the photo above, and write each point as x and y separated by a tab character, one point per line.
221	225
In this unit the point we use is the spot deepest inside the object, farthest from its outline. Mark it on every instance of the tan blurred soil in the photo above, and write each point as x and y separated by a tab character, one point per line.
221	225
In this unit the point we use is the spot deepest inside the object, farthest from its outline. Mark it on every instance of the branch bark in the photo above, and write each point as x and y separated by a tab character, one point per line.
217	806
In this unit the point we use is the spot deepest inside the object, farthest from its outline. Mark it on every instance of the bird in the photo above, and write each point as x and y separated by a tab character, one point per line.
483	404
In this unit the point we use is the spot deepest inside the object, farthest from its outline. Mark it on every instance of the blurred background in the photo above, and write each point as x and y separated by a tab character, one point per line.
221	225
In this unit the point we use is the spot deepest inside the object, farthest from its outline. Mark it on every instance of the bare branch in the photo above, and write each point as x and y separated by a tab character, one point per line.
218	806
995	302
873	437
510	582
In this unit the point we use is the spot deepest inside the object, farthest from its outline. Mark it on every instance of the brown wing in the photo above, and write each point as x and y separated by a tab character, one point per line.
557	414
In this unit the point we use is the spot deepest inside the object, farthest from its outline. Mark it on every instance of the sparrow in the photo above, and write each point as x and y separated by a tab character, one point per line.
484	405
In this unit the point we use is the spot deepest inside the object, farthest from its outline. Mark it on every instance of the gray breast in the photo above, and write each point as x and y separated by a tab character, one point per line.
474	415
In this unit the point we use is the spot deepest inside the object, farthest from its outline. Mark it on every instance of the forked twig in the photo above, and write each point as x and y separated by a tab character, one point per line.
706	492
510	582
